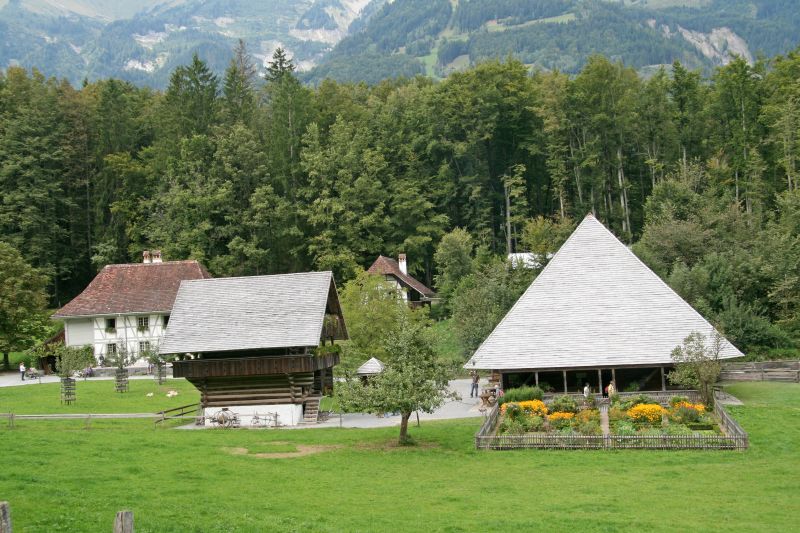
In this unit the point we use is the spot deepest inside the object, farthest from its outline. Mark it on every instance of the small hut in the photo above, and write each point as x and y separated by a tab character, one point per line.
253	344
372	367
595	314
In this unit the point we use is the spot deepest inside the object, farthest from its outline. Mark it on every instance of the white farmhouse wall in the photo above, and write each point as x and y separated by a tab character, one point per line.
288	414
127	333
78	332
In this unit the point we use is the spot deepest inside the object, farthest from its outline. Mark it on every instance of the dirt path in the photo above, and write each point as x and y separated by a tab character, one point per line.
302	451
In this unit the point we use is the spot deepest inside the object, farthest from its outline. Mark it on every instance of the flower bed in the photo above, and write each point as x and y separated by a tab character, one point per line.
634	422
564	416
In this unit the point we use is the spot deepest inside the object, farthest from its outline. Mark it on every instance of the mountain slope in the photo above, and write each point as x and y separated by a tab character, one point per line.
560	34
144	40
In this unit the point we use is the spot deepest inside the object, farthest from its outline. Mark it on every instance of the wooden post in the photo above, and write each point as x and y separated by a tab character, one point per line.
5	518
537	378
600	382
123	523
614	379
663	380
565	381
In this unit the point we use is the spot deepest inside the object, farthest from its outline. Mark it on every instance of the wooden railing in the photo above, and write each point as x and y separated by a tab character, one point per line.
785	371
252	366
185	411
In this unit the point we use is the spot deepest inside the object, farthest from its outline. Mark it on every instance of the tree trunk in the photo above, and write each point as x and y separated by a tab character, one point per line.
6	362
404	427
508	220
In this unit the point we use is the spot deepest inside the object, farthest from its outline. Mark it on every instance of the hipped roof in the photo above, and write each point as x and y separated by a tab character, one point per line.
133	288
251	313
595	304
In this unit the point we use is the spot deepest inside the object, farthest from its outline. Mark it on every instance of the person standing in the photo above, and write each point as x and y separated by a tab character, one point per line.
22	370
586	391
474	387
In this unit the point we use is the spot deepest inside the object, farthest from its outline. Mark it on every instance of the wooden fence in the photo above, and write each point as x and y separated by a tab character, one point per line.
733	437
123	521
185	411
785	371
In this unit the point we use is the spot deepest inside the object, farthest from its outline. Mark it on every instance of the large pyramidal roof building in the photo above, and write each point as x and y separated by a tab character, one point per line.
595	314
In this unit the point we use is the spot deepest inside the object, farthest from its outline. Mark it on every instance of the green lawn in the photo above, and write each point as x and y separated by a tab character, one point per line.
98	396
60	477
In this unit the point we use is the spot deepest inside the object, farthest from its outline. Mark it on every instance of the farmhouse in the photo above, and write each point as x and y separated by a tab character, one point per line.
258	345
396	272
595	314
127	306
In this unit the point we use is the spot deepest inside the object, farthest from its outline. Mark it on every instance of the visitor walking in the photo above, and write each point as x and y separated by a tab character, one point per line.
22	370
612	390
474	388
586	391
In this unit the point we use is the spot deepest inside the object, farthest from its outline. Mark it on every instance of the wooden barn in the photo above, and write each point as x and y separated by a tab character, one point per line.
259	345
595	314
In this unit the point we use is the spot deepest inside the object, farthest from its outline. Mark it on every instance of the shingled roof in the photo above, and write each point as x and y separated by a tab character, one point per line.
390	267
370	368
251	313
594	305
133	288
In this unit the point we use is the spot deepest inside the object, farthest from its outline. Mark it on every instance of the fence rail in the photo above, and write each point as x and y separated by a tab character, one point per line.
785	371
185	411
733	437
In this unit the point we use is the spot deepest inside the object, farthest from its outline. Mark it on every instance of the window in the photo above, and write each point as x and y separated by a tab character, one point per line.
144	346
143	323
111	325
166	320
111	349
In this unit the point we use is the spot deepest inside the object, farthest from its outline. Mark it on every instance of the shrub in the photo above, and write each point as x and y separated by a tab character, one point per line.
587	427
633	401
534	407
677	429
615	414
646	413
512	427
684	415
512	411
535	423
588	415
624	428
675	400
522	394
632	387
560	419
565	404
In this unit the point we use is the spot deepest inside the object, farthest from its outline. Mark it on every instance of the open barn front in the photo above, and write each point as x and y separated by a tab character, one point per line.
573	381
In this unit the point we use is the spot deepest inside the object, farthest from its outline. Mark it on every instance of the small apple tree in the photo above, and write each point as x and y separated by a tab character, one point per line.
697	364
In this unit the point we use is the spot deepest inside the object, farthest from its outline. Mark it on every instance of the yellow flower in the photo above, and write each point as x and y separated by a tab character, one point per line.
646	412
561	415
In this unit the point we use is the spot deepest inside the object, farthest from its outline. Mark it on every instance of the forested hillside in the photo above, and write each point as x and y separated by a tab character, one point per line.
700	173
437	37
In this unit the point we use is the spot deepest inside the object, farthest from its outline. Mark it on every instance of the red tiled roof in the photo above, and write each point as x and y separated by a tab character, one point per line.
133	288
387	266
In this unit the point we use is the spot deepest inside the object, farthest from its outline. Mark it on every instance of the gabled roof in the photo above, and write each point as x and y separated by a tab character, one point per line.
133	288
251	313
389	267
594	304
370	368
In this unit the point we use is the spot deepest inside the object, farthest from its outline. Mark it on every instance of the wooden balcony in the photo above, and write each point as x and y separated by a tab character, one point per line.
252	366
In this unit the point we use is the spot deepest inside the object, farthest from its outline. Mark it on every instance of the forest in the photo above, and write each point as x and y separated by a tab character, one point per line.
257	176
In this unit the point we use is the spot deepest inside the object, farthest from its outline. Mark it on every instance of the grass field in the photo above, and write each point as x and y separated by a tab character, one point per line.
60	477
98	396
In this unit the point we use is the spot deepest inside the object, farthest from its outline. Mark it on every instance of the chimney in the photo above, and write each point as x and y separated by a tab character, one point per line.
156	255
146	257
401	261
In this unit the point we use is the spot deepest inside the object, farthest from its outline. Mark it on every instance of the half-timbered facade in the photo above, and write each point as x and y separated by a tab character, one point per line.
595	314
127	306
259	345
